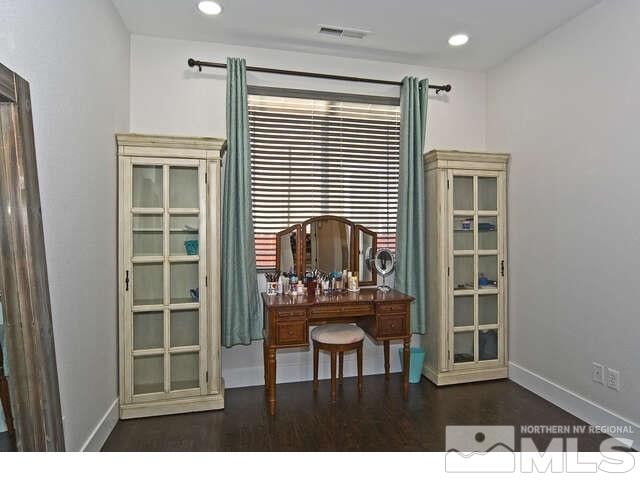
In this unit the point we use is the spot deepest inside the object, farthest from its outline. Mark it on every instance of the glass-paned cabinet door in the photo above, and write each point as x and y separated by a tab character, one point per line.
166	280
487	193
147	186
475	270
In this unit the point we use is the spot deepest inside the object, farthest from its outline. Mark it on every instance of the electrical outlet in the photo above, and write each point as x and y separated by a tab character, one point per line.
613	379
597	373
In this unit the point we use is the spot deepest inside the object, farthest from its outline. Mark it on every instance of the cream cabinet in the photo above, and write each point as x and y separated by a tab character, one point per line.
169	306
466	210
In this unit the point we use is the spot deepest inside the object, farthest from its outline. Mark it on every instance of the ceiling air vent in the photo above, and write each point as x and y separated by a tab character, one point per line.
343	32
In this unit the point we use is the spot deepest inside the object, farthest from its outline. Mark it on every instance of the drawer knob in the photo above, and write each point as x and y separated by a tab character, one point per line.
290	332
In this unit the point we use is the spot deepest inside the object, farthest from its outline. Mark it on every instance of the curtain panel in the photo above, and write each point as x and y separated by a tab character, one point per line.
411	276
240	302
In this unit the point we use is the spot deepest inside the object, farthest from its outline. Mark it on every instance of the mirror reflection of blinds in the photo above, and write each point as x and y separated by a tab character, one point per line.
313	157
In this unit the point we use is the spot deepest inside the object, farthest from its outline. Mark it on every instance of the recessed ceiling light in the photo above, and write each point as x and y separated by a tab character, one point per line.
458	39
209	8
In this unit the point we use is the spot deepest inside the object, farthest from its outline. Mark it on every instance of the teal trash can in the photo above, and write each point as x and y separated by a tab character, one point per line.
416	359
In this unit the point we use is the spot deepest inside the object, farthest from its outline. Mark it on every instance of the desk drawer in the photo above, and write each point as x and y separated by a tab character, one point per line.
363	309
393	307
391	325
338	311
292	333
328	311
292	313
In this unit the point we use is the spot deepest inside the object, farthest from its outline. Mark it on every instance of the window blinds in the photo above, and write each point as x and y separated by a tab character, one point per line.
314	156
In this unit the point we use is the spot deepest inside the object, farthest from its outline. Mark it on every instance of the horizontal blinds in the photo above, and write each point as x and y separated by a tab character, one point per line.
314	157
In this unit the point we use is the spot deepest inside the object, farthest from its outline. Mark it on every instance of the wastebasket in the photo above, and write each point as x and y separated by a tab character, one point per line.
416	359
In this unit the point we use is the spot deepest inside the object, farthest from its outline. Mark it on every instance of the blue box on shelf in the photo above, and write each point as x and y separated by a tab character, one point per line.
191	246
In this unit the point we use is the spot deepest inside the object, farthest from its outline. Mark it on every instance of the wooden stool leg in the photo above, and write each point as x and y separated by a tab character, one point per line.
333	376
386	358
316	355
359	352
340	367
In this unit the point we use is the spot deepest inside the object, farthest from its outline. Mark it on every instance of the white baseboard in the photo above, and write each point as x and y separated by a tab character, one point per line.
301	372
575	404
102	430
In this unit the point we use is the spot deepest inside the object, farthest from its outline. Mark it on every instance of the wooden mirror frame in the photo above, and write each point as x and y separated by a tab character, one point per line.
24	284
301	229
279	236
374	249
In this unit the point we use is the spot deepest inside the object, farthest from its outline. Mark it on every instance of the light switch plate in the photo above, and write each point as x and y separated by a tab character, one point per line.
597	373
613	379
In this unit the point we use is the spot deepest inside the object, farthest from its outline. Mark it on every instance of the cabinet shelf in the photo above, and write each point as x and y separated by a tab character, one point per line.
148	352
148	303
467	230
185	302
160	230
184	258
185	349
147	388
184	211
147	259
151	390
158	305
183	386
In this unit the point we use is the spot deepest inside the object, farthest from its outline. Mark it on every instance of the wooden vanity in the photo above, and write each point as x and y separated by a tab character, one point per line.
384	316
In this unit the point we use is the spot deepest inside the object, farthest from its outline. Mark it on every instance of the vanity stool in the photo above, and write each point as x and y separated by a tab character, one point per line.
337	339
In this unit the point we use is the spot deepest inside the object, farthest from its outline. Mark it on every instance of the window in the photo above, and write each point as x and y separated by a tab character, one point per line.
322	154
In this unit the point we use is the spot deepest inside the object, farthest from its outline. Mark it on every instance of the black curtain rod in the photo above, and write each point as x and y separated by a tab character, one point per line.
197	63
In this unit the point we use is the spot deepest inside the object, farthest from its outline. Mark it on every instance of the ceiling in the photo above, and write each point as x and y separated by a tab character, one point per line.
404	31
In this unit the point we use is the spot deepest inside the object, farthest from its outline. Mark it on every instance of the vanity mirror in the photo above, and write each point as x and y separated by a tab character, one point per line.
384	262
327	244
366	244
330	244
287	249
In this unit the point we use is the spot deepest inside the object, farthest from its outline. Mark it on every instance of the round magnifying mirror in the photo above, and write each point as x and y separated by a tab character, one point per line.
384	262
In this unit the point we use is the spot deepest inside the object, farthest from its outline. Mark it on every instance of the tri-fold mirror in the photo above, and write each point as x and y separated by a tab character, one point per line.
330	244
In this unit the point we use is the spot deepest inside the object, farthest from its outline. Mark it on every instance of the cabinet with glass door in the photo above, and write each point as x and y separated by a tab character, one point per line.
169	308
466	266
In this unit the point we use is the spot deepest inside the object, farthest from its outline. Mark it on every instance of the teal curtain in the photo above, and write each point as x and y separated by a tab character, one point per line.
411	276
240	304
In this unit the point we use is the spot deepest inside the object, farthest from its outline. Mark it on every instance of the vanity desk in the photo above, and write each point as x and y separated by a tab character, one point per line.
384	316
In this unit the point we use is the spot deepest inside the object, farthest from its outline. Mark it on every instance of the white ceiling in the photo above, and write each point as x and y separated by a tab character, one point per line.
404	31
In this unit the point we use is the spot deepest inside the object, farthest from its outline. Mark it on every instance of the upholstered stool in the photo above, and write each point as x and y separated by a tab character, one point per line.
337	339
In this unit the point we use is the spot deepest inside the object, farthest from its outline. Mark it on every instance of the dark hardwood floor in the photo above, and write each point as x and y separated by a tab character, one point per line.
6	443
378	421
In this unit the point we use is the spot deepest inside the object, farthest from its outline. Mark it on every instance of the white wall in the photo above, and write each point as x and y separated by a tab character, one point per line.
167	97
75	54
567	109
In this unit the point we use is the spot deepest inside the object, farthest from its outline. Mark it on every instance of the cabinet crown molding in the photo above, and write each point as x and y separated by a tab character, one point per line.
140	145
466	160
162	141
